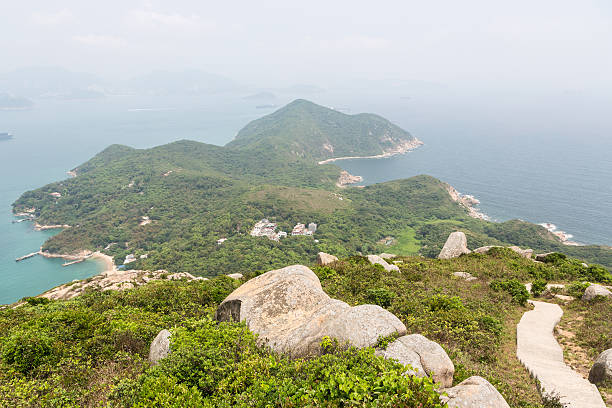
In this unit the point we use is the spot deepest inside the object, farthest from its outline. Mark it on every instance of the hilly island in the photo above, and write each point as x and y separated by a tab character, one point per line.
260	274
192	207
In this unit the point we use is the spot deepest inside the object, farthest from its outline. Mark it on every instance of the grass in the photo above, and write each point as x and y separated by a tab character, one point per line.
406	243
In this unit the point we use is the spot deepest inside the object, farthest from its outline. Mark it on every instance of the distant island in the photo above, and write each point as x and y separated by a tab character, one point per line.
5	136
192	207
260	96
10	102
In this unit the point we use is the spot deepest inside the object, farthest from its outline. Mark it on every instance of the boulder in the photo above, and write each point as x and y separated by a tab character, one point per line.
525	253
602	369
455	245
291	313
486	249
385	256
160	347
325	259
474	392
375	259
235	275
426	357
542	257
465	275
584	265
595	290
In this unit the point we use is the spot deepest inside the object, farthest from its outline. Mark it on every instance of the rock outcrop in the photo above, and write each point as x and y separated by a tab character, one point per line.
376	259
235	275
160	347
474	392
542	257
386	256
325	259
455	245
426	357
289	311
602	369
465	275
595	290
525	253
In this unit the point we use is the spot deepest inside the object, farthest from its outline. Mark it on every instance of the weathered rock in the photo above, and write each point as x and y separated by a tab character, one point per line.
584	265
474	392
485	249
385	256
525	253
426	357
325	259
465	275
160	347
289	311
455	245
235	275
542	257
602	369
375	259
595	290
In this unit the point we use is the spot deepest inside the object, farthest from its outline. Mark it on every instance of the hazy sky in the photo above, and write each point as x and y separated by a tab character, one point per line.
550	43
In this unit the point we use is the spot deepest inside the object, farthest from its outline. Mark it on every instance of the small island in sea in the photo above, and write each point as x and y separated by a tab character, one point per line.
10	102
5	136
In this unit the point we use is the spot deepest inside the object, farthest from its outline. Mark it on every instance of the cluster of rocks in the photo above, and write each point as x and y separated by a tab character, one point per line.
456	245
291	314
327	259
113	280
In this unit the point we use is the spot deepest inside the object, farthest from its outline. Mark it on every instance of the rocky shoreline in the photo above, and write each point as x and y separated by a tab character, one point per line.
562	235
401	148
467	201
347	178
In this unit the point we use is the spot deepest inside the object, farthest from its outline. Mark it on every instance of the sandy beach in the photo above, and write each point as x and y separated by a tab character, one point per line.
401	149
109	264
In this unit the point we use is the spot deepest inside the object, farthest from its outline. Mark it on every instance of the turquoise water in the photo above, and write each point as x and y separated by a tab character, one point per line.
530	159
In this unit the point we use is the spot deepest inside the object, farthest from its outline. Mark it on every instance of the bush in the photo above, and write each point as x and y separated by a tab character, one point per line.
27	349
515	288
537	287
380	296
576	289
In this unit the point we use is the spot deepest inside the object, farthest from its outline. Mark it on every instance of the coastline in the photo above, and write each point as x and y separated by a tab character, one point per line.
468	202
38	227
401	149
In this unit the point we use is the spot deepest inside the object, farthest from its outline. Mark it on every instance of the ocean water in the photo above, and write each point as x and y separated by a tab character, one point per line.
520	159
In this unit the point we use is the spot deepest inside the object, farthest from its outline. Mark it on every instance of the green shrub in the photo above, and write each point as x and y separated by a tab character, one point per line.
27	349
380	296
35	301
444	302
515	288
537	287
576	289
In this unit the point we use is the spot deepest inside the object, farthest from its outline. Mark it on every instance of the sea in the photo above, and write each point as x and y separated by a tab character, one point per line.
541	158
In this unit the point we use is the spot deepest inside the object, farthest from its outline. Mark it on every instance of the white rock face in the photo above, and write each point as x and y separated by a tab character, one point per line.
235	275
160	347
289	311
465	275
595	290
426	357
474	392
455	245
375	259
386	256
602	369
325	259
525	253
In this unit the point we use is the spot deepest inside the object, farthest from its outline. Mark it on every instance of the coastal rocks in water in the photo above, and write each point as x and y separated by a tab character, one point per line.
160	347
235	275
346	178
325	259
465	275
595	290
474	392
386	256
455	245
427	358
375	259
602	369
291	313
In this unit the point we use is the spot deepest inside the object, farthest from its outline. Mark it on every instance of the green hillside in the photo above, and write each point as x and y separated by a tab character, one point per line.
193	194
307	130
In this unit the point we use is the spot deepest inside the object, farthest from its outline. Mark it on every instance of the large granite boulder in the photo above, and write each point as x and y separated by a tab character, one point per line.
455	245
236	276
595	290
602	369
376	259
289	311
160	347
325	259
474	392
426	357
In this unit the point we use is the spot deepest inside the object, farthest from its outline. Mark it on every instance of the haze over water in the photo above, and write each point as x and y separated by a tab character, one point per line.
520	157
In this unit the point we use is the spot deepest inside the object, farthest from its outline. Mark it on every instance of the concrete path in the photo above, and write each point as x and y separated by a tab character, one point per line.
538	350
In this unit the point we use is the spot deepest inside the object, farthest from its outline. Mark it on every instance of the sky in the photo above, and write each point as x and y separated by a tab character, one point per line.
545	43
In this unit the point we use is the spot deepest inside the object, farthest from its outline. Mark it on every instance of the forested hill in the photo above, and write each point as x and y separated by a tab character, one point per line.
172	204
308	130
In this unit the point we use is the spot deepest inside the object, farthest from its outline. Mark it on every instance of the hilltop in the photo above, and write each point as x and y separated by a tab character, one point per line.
190	207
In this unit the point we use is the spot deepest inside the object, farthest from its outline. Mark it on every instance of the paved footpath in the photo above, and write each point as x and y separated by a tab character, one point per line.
539	351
